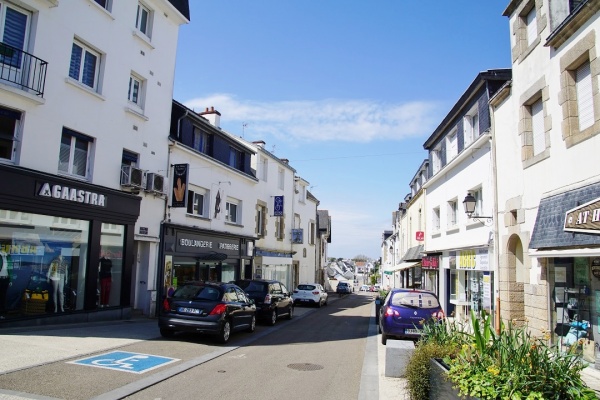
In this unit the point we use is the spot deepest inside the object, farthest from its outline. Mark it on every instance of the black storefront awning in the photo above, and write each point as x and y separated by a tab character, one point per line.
549	229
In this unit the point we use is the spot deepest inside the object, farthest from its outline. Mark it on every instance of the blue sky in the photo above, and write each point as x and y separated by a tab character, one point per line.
347	90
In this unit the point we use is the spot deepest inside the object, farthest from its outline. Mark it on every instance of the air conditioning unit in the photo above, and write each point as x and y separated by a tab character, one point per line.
155	183
132	176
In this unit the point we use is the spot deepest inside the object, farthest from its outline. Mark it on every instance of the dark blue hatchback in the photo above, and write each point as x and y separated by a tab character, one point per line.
404	311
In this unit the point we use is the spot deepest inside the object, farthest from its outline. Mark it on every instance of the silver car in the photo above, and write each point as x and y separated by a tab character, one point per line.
311	294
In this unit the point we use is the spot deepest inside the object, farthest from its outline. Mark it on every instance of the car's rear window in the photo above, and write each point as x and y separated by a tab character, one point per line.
196	292
306	287
415	299
253	286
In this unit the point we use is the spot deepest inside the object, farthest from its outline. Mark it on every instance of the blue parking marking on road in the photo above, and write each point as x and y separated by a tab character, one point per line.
136	363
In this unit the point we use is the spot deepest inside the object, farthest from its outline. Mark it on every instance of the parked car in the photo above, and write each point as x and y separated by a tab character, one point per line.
272	298
343	287
365	288
310	293
404	311
209	308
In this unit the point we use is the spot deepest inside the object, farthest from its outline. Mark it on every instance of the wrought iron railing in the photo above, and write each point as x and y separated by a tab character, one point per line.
22	69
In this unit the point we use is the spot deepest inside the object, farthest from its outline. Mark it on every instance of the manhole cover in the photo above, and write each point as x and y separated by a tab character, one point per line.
305	367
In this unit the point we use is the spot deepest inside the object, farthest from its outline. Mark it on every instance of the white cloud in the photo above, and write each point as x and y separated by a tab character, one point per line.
324	120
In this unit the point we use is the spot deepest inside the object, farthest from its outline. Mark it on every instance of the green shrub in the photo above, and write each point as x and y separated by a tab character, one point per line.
417	371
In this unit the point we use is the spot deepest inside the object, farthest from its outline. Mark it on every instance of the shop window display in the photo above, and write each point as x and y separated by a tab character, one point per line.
43	263
110	266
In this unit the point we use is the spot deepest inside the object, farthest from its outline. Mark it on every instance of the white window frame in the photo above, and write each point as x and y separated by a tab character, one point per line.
264	168
105	4
436	219
13	67
86	51
281	179
436	159
531	26
538	132
452	213
67	167
478	195
194	197
471	127
585	98
311	232
136	80
147	30
14	135
261	213
279	227
451	146
233	211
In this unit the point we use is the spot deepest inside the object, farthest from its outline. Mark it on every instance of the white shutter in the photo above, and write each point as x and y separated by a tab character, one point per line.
585	100
537	124
531	26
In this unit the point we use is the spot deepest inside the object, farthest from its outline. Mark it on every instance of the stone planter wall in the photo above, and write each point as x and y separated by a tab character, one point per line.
440	387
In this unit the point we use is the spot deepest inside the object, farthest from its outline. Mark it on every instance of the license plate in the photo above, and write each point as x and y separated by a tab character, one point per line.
188	310
413	331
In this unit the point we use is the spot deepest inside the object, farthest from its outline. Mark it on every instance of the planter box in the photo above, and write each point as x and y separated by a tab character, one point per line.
440	387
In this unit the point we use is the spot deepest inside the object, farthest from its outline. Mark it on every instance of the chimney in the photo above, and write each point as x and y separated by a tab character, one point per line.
259	143
213	116
285	160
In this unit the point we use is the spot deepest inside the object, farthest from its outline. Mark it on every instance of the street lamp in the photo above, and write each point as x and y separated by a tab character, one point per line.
469	203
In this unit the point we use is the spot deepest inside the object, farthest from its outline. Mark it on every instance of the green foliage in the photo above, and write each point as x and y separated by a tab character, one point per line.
417	370
373	279
514	365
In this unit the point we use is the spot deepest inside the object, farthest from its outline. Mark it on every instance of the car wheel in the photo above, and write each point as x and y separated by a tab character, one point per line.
166	333
290	312
252	326
225	332
273	318
319	304
325	303
383	338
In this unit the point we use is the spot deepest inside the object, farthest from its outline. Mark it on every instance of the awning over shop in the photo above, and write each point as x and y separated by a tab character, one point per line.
400	267
414	253
549	230
566	253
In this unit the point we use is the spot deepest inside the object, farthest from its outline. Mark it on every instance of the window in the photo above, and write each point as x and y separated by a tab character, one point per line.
436	219
14	24
478	195
85	64
585	100
311	232
537	127
452	213
9	131
280	179
302	194
236	159
531	24
197	202
129	158
264	164
261	219
74	153
232	211
471	127
106	4
279	227
136	90
143	19
451	146
200	140
436	159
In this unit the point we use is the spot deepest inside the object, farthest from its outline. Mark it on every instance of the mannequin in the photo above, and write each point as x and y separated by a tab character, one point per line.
5	282
105	280
57	275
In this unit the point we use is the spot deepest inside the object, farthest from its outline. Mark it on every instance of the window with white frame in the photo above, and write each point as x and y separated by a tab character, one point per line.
478	195
279	227
452	213
129	158
14	32
197	202
264	168
106	4
471	126
85	65
436	159
312	227
436	219
136	90
585	100
233	211
531	24
74	153
451	146
537	126
302	194
281	178
9	132
236	158
200	140
261	220
143	20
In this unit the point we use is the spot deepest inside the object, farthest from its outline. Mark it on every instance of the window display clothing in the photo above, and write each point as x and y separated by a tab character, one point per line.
4	281
105	276
57	275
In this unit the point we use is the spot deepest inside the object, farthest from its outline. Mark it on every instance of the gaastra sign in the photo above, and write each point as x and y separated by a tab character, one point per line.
60	192
584	218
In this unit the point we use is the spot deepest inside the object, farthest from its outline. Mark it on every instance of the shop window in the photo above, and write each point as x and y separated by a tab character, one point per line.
110	268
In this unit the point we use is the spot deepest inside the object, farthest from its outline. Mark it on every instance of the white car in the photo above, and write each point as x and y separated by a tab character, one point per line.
365	288
311	294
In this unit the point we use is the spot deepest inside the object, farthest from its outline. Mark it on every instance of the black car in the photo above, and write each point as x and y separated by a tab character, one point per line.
272	299
343	287
210	308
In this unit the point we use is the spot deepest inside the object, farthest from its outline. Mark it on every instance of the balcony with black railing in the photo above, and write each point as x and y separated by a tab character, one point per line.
23	70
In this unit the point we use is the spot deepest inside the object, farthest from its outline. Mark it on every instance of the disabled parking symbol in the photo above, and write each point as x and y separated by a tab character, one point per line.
136	363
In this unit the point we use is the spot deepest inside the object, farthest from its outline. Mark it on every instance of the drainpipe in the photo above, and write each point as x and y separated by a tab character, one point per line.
495	214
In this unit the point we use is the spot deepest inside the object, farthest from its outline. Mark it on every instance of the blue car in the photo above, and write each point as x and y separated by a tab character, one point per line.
404	312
